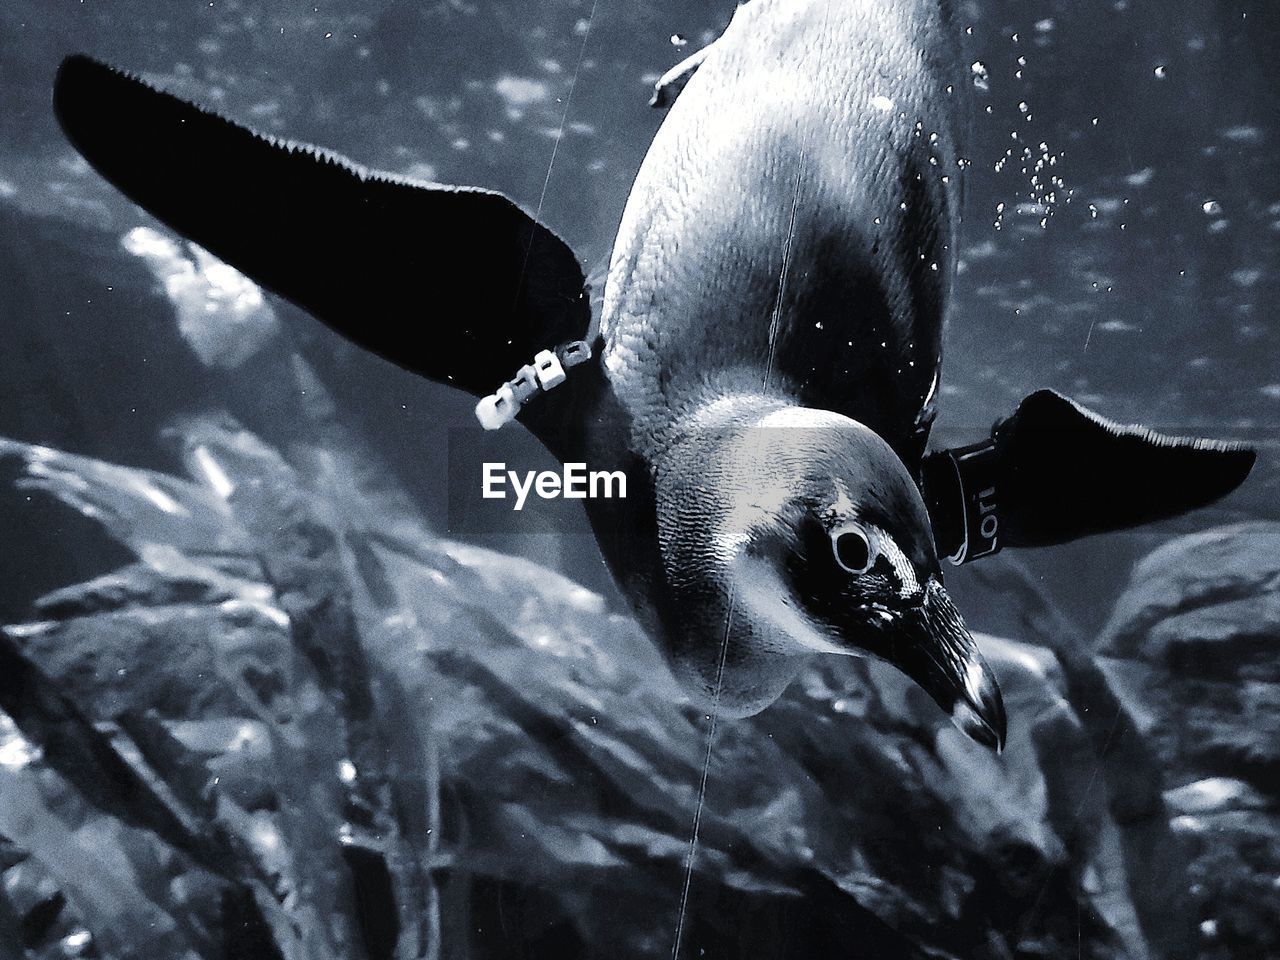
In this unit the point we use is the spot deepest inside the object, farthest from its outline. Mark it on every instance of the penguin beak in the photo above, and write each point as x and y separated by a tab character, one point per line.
935	649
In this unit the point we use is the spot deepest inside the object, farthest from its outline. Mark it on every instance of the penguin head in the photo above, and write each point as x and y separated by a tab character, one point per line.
799	532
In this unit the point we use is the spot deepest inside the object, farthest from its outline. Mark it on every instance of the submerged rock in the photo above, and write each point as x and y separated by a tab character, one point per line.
1194	647
461	728
1193	573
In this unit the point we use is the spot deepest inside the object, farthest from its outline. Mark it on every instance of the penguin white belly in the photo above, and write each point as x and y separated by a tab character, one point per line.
790	228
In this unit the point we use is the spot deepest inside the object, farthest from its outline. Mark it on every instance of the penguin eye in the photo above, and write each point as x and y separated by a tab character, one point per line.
853	548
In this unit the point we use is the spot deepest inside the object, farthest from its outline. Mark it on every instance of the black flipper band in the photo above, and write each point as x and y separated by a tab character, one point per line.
960	489
454	283
1056	471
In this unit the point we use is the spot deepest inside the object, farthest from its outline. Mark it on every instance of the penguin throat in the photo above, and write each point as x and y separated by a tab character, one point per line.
772	611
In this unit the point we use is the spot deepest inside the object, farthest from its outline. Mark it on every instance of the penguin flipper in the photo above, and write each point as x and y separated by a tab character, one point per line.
1056	471
673	81
457	284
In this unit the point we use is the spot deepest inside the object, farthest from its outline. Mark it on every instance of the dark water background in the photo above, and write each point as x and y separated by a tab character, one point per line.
1145	286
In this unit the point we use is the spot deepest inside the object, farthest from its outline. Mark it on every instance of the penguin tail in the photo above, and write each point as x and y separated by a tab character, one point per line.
1056	471
457	284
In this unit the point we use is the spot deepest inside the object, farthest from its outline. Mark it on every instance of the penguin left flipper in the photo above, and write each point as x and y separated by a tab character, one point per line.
673	81
1056	471
457	284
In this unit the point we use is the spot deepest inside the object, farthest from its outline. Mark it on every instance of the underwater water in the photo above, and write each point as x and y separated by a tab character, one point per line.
257	699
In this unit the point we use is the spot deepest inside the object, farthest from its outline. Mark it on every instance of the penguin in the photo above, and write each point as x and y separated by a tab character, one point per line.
764	368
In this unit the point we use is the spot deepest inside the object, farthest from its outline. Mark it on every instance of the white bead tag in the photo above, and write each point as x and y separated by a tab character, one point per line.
548	370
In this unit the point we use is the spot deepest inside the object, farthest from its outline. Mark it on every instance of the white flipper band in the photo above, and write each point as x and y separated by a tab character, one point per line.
549	369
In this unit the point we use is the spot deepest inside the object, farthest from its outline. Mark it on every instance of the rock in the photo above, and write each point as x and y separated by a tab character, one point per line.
1214	794
1192	649
1196	571
441	724
1221	641
185	661
135	585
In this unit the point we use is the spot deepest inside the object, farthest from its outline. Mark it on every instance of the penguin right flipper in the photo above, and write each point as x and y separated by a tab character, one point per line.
1056	471
454	283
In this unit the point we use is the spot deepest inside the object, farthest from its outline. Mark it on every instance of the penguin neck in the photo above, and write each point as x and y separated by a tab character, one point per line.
713	430
705	436
729	403
733	409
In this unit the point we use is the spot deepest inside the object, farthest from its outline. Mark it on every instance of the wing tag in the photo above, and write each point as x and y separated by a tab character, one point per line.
548	370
